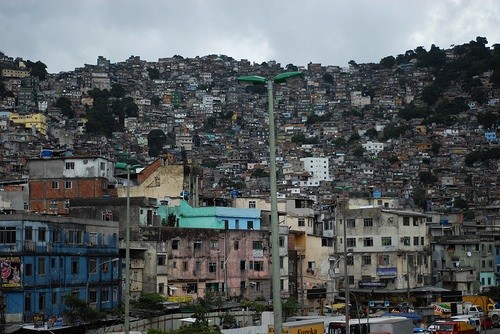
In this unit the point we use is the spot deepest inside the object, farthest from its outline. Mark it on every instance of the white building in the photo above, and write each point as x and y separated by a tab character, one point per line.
319	170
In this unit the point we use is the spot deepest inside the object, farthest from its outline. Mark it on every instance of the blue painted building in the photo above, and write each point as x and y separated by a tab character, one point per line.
490	136
215	217
43	258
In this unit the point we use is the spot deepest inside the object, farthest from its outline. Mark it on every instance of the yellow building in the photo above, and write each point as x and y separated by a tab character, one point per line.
37	121
14	73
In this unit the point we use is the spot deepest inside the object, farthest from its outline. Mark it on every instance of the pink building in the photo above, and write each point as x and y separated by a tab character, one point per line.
234	263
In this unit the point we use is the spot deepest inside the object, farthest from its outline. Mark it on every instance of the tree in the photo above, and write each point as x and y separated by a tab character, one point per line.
427	178
79	311
117	91
205	305
64	104
371	133
328	78
153	73
156	140
37	69
388	62
150	303
431	94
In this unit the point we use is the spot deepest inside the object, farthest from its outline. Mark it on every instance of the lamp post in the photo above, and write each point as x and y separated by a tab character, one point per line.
95	270
346	276
127	167
275	272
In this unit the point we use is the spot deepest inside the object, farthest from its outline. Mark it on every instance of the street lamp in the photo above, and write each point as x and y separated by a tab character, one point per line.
95	270
275	272
346	276
128	168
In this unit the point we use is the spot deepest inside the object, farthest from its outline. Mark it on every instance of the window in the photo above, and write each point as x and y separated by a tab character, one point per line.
162	260
184	265
92	265
55	184
383	260
257	286
250	224
214	244
174	264
236	224
68	184
28	269
28	233
257	245
386	241
54	298
74	266
406	221
351	242
368	242
93	239
103	166
366	260
282	262
27	302
328	225
7	235
367	222
70	165
212	267
406	241
66	203
56	235
191	288
350	279
281	241
257	265
366	278
415	221
302	222
92	295
243	265
197	245
326	242
41	266
236	245
105	295
415	241
53	205
41	301
175	244
351	223
74	237
350	260
252	204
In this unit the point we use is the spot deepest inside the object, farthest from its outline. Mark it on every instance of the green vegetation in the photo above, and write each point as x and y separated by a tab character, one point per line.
483	156
78	311
156	140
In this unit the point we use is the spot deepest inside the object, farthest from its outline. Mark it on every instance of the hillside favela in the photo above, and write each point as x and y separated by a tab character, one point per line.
216	195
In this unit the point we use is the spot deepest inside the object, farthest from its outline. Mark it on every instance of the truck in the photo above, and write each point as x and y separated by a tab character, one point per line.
453	327
484	301
447	309
488	305
314	326
394	325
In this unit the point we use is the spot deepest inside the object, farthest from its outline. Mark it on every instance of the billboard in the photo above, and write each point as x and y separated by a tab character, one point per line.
11	272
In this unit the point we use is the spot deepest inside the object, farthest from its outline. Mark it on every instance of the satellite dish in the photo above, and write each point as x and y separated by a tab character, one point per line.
469	254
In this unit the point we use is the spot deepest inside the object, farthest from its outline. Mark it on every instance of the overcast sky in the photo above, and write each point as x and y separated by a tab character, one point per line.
65	34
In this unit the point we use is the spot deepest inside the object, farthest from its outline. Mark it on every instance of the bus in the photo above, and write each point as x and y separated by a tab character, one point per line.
383	324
